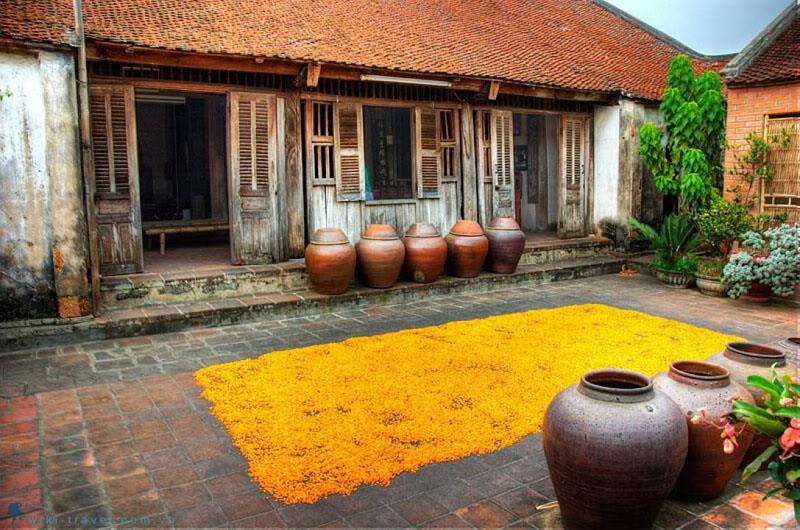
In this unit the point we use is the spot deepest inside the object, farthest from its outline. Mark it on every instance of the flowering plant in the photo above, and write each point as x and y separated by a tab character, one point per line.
779	419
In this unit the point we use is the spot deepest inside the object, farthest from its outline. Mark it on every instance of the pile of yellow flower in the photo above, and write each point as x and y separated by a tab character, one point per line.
325	419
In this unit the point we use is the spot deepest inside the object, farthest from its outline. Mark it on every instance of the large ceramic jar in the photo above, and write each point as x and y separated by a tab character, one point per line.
380	256
695	385
467	247
330	261
791	347
506	244
615	448
743	359
426	253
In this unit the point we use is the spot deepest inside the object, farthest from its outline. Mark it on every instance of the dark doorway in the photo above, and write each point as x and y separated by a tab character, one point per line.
182	172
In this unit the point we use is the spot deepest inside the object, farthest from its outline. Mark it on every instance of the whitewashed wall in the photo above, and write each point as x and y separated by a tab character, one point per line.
42	221
606	161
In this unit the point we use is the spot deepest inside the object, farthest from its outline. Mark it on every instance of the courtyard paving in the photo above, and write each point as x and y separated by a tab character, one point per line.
114	433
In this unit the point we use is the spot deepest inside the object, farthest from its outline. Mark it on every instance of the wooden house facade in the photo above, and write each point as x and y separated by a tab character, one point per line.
213	132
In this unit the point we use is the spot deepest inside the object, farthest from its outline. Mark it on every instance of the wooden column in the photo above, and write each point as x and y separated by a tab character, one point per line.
294	175
468	169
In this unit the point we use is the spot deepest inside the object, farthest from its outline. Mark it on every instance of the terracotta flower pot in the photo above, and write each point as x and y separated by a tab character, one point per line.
758	293
330	261
743	359
693	385
467	247
426	253
615	448
380	256
506	244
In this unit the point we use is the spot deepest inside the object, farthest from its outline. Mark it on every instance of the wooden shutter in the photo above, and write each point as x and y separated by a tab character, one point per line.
574	150
428	163
781	195
320	143
502	163
116	178
349	151
253	146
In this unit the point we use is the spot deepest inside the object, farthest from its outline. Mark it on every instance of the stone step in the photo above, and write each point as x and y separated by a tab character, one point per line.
290	304
555	250
149	289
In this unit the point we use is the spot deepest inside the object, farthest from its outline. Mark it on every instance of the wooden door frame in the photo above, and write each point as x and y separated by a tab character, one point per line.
587	182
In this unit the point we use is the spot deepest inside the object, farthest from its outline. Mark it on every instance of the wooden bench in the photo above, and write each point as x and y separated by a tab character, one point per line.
194	226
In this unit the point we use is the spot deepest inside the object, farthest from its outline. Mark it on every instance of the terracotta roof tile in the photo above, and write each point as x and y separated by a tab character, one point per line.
778	62
572	44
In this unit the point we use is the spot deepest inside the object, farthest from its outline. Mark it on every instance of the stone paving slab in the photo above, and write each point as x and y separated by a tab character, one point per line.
114	433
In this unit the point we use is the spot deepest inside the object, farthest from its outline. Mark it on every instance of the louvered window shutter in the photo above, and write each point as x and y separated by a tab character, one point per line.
429	170
502	162
573	153
349	151
253	145
109	140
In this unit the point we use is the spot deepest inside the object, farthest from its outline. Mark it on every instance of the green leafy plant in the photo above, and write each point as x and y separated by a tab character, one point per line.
675	244
779	419
4	93
771	258
710	267
721	223
685	156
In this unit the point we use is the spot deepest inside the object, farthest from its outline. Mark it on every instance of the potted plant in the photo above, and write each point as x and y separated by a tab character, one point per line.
779	419
719	225
676	246
766	264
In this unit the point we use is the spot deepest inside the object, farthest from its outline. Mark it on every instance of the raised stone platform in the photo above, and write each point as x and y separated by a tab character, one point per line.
556	250
280	305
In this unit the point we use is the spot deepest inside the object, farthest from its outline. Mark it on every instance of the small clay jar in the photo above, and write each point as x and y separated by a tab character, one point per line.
380	256
467	247
330	261
695	385
426	253
506	244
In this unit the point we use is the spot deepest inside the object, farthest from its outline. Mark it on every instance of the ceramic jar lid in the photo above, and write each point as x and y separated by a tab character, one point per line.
422	230
503	223
329	236
466	228
379	232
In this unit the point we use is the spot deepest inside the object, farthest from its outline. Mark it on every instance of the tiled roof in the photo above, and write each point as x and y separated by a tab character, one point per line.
571	44
778	61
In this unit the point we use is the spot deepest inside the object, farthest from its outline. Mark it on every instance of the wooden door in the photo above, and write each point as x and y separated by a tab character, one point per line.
253	148
573	168
116	178
502	147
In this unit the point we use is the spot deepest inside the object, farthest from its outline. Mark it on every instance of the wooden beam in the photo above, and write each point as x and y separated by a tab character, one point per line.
494	88
312	74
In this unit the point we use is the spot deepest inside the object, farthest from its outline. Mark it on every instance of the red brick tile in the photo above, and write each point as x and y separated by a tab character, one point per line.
265	520
232	484
174	476
121	467
138	506
772	510
19	480
184	496
729	517
244	505
128	486
486	514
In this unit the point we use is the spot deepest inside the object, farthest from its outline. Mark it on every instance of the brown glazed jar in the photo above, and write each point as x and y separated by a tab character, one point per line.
743	359
467	247
380	256
693	385
506	244
614	448
330	261
426	253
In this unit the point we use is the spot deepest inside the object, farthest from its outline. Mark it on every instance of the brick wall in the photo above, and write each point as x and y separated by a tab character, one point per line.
747	108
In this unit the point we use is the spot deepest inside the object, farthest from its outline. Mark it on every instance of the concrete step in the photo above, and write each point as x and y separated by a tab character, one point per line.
281	305
556	250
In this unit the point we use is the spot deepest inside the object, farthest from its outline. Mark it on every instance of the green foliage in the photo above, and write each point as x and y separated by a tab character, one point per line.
4	93
710	267
685	158
779	419
773	259
676	243
750	166
721	223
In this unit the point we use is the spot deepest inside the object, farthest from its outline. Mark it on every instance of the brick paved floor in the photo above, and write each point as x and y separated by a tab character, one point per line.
114	432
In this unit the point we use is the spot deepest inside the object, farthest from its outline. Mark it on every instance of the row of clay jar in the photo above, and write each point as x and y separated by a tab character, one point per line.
422	254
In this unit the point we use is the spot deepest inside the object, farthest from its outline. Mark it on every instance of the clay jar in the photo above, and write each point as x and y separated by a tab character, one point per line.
330	261
380	256
506	244
467	247
614	447
743	359
693	385
426	253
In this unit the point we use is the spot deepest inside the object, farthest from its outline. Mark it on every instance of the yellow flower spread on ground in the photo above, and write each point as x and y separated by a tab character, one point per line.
325	419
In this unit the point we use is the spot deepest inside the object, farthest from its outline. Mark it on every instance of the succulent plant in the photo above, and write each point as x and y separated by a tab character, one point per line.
773	260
